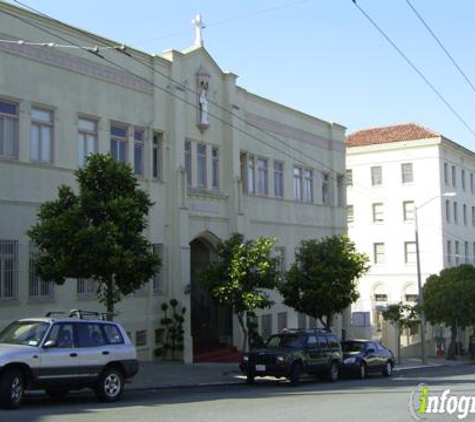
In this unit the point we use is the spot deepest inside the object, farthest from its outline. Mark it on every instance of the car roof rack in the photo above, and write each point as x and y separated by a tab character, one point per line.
82	314
306	330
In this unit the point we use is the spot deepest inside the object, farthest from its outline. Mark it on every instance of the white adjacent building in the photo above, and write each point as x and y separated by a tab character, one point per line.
390	171
213	157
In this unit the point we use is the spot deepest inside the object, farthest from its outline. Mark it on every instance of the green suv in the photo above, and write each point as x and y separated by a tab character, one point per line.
293	353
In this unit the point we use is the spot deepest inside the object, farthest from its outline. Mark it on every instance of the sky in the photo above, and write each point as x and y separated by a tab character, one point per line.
322	57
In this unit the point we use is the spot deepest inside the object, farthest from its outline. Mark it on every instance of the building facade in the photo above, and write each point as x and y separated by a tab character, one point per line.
392	173
213	157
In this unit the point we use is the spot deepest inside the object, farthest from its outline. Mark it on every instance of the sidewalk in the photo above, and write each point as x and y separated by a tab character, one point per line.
157	375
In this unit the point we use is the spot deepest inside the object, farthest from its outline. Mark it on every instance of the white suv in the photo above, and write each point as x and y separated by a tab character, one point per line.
62	354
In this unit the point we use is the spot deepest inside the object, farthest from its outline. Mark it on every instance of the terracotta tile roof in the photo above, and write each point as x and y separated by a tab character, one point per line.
383	135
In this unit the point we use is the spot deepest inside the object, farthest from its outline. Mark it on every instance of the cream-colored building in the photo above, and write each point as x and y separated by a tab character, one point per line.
391	171
214	158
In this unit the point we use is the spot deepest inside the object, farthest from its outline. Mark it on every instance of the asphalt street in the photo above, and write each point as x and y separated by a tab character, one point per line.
374	399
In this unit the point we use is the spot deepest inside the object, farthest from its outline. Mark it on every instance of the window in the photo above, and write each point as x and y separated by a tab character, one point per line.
376	176
298	184
447	211
157	156
322	342
462	179
251	185
341	191
464	214
350	214
325	189
466	252
446	173
281	321
139	136
381	297
8	129
41	135
262	179
472	186
63	335
410	252
456	216
360	319
349	177
454	177
457	252
473	216
157	249
308	185
279	254
90	335
411	297
278	179
266	326
141	338
449	251
8	269
87	287
408	210
38	289
188	163
201	166
113	334
407	175
119	137
378	215
378	251
302	321
215	168
87	139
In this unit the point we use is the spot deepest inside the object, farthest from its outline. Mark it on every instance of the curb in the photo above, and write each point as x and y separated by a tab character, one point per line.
185	387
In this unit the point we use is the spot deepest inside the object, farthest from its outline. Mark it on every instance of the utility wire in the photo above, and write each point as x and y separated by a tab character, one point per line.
437	39
413	66
195	106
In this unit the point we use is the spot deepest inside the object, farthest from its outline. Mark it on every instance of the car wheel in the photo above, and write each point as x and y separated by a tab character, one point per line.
57	393
362	371
333	372
295	374
12	386
250	378
110	386
388	369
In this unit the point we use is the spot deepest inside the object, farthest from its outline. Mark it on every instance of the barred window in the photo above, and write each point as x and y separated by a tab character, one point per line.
157	249
8	269
87	287
38	288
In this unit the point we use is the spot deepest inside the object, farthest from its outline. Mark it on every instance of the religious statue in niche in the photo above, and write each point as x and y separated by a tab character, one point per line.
203	100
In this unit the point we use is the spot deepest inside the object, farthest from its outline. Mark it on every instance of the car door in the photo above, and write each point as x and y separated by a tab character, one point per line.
323	353
371	357
94	352
313	353
59	357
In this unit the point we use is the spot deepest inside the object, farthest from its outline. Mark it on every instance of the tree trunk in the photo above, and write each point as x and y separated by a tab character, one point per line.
240	317
399	333
110	300
453	343
327	322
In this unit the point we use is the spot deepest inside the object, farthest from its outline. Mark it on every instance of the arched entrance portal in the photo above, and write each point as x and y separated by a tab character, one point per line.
211	324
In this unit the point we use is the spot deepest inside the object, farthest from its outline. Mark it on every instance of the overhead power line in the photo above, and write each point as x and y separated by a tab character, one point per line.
439	42
414	67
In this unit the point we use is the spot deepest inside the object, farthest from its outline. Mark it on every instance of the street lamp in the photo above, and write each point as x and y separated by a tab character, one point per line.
419	281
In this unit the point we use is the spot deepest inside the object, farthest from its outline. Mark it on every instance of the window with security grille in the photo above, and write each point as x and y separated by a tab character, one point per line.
8	269
38	288
8	129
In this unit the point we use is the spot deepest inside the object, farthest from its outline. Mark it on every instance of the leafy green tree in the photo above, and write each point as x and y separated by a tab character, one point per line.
322	280
241	269
401	316
449	298
97	233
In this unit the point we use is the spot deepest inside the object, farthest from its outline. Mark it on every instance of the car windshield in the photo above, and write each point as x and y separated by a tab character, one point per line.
353	346
287	340
26	333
